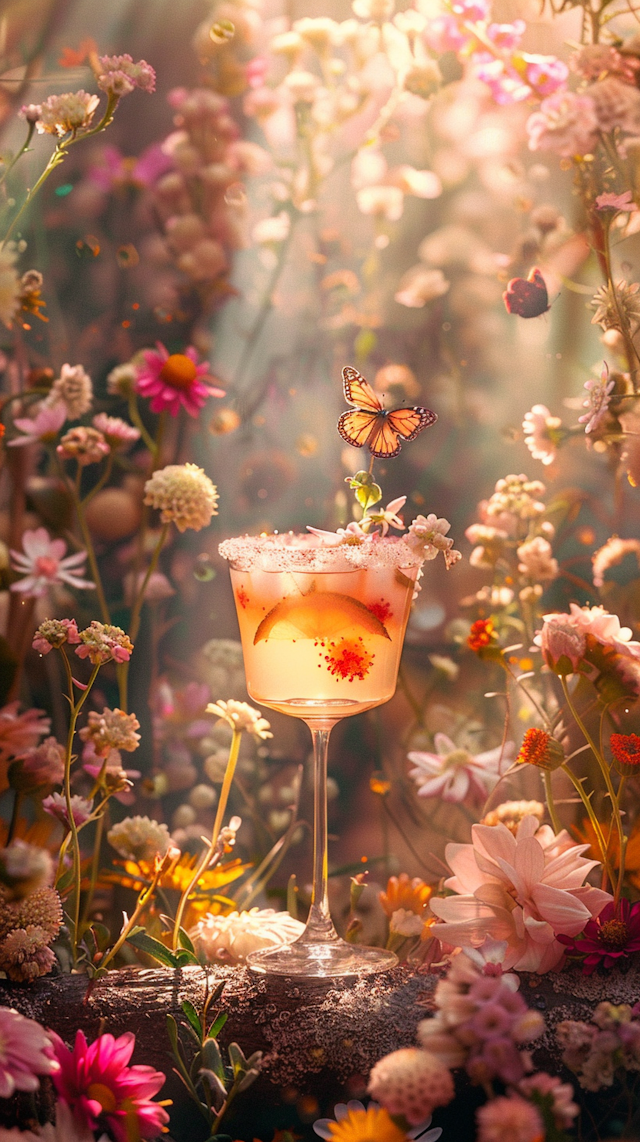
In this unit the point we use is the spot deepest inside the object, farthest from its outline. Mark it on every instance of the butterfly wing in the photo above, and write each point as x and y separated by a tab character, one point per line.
383	442
357	426
527	297
408	422
358	392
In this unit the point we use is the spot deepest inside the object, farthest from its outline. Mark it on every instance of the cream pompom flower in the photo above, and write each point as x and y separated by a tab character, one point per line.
183	494
411	1082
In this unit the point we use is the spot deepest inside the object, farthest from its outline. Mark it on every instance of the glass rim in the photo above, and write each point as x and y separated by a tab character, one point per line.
287	551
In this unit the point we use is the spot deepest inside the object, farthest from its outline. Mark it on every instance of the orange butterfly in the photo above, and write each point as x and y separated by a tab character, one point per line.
371	424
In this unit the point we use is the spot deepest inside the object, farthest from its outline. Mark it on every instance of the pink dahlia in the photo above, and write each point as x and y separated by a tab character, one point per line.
95	1081
41	562
527	889
172	380
25	1053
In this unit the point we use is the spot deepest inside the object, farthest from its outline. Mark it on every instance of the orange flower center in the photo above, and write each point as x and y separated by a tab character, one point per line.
614	933
534	747
626	748
179	371
104	1096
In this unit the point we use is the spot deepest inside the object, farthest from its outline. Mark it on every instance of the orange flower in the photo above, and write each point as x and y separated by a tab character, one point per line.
585	833
482	633
626	754
413	895
541	749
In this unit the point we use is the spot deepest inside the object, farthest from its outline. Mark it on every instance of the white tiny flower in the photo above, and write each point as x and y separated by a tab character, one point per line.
241	717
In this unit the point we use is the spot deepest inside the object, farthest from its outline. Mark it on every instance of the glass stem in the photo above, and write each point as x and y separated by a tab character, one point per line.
319	927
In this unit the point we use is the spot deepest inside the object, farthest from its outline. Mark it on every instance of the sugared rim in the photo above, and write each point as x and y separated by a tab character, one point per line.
294	551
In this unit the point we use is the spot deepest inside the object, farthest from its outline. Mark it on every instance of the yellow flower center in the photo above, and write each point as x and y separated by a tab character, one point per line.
457	757
104	1096
614	933
179	371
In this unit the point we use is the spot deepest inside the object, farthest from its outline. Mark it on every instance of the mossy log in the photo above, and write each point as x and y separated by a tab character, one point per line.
320	1038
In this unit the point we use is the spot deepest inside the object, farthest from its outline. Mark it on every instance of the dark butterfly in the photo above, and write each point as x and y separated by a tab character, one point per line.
369	423
527	297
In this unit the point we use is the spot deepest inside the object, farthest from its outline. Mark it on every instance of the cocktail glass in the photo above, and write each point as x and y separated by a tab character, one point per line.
322	629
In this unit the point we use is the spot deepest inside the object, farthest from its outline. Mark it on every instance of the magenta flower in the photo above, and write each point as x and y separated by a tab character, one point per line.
19	732
100	1088
26	1053
43	565
612	935
43	428
172	380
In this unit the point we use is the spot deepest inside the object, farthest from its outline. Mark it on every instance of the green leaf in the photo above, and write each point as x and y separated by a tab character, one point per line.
152	947
212	1059
172	1032
184	957
101	935
192	1015
185	941
217	1025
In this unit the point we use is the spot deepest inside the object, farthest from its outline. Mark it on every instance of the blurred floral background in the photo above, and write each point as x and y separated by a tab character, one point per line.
444	196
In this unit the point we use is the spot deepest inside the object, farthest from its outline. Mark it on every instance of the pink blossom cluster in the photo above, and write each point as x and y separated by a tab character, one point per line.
482	1022
589	639
494	53
570	124
119	75
595	1051
99	642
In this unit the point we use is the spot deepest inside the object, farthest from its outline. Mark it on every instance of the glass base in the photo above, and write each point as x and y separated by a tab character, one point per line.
321	960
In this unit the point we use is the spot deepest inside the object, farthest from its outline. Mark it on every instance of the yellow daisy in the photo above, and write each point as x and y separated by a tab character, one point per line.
372	1125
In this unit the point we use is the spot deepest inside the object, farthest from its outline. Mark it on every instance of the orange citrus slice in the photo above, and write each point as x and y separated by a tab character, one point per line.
320	614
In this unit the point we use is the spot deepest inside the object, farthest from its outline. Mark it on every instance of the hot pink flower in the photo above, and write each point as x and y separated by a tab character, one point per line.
43	565
19	732
43	428
25	1053
172	380
96	1082
526	889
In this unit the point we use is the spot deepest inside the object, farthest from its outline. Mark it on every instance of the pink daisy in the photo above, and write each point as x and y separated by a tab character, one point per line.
99	1086
43	428
25	1053
42	564
172	380
19	732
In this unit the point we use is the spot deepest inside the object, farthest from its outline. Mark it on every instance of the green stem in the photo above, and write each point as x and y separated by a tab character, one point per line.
586	801
604	768
551	805
58	157
134	623
143	900
100	483
137	420
225	1106
75	844
19	154
202	864
629	347
95	862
